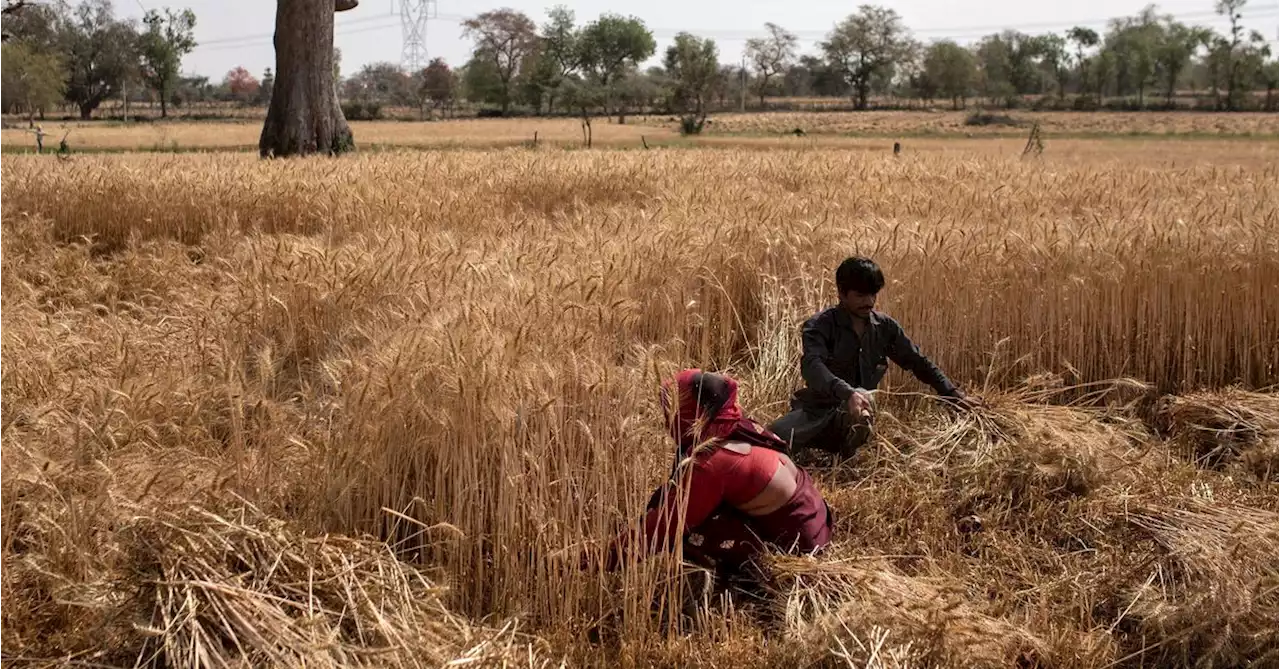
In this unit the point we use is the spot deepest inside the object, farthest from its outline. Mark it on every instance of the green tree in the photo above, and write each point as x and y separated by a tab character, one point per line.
1255	68
101	54
10	8
1104	72
382	83
693	66
771	55
559	51
1177	44
730	85
192	89
582	96
535	81
1054	61
643	90
950	70
37	25
1010	64
168	37
32	81
608	47
505	38
865	47
1133	41
1230	51
1083	38
995	78
439	83
480	80
266	86
1268	79
820	77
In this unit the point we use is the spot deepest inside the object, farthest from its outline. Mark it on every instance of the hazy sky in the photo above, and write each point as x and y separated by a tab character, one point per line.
238	32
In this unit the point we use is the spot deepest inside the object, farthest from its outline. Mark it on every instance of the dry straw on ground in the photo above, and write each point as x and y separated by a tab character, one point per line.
457	354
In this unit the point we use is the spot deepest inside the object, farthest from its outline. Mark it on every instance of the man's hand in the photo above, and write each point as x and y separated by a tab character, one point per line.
860	404
962	401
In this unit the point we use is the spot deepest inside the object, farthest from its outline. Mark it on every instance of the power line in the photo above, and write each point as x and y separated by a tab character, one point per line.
384	21
264	40
239	39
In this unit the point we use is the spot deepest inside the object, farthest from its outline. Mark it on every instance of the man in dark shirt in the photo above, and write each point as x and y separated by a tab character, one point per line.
846	354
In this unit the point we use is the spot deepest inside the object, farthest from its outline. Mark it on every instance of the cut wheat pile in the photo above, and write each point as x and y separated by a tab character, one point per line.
349	412
188	587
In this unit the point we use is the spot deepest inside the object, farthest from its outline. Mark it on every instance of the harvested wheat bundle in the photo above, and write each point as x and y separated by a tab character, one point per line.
1211	598
914	621
1014	451
1215	427
1207	540
242	589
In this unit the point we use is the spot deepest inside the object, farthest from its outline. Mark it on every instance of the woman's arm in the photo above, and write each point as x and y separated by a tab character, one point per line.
661	526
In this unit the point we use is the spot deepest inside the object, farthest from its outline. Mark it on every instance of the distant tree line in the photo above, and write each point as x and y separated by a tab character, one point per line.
1147	61
1138	62
56	54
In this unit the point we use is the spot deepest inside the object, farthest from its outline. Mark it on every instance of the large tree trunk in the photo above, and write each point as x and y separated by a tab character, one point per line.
304	116
864	93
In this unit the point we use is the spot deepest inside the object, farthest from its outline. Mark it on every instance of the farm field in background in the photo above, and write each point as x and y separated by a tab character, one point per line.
207	135
827	129
260	410
1100	124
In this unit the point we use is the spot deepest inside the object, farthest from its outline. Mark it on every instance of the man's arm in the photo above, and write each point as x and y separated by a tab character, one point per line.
817	345
907	355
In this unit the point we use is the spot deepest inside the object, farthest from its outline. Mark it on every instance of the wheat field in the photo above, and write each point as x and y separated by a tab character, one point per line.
358	411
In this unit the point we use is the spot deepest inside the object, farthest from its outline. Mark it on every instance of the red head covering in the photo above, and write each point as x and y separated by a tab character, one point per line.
706	409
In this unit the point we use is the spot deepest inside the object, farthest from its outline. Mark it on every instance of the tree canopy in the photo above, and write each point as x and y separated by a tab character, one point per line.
504	38
169	36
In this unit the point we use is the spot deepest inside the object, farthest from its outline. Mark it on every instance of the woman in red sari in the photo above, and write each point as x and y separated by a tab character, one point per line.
736	491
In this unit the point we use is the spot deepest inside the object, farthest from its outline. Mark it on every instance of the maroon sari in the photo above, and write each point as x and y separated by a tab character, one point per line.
706	416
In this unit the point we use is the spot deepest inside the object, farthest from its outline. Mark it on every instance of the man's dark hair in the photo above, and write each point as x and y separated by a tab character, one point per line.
860	274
